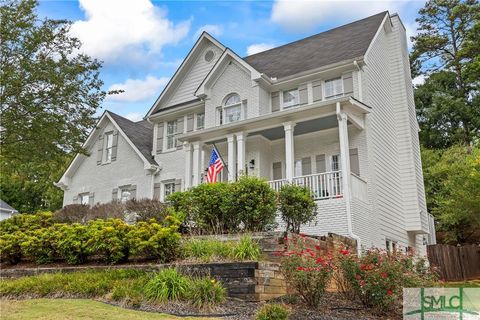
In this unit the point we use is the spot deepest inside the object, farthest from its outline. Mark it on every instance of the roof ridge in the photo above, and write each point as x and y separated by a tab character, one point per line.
315	35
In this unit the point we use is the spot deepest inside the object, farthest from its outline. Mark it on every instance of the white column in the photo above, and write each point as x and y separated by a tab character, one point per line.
231	158
196	164
202	164
344	147
241	152
289	150
188	164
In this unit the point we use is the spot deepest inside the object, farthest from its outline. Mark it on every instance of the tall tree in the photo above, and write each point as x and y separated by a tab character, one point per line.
446	52
49	94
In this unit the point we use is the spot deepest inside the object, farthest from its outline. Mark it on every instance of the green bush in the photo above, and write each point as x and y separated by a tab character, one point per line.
152	240
168	284
246	249
10	247
106	238
26	222
205	292
207	250
40	245
253	201
72	243
306	270
378	277
272	311
297	206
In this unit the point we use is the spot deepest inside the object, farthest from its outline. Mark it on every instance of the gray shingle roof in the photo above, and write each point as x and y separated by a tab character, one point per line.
140	133
343	43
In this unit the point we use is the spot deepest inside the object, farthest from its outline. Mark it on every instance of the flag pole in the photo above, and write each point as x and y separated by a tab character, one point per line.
224	164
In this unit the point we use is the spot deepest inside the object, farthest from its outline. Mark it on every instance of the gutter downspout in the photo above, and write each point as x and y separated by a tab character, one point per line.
152	185
342	121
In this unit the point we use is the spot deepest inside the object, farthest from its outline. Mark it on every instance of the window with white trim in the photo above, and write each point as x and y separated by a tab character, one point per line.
333	88
85	198
232	108
200	121
335	163
108	146
290	98
171	134
168	189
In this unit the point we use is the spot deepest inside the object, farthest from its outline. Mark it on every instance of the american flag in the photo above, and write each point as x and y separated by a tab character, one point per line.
214	167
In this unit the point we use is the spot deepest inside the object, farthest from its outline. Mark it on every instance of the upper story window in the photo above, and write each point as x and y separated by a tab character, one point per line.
232	108
171	134
108	146
333	88
200	121
290	98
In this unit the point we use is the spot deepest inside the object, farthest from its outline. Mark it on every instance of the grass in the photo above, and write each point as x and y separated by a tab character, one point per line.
46	309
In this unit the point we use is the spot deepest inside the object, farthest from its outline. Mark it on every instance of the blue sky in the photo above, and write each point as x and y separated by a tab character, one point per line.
142	42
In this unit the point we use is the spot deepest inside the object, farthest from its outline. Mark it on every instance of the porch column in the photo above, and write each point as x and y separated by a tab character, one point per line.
188	164
344	150
289	150
231	157
196	164
240	153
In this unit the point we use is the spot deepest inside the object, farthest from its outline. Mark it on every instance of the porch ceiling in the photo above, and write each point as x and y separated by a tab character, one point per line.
300	128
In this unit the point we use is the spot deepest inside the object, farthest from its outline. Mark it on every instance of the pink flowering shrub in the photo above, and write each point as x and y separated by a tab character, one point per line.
377	278
306	270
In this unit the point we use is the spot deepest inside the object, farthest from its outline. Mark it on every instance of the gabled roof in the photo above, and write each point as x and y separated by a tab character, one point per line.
140	133
346	42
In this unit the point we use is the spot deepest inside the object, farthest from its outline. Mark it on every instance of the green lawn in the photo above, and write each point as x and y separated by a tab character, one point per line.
53	309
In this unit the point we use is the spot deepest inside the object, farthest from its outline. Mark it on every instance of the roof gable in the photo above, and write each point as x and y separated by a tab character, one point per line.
346	42
189	75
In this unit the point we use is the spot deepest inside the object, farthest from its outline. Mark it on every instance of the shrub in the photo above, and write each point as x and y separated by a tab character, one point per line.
72	213
147	209
297	206
377	277
106	238
153	240
205	292
207	249
272	311
10	248
26	222
168	284
40	245
306	270
253	201
72	243
246	249
111	210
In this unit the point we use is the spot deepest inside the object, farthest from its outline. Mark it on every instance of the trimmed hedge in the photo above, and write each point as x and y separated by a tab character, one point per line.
36	239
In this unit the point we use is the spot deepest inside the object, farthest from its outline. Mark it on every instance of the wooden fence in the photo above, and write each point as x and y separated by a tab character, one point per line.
455	263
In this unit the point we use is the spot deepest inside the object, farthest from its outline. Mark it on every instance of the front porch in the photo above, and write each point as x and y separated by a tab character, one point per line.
309	147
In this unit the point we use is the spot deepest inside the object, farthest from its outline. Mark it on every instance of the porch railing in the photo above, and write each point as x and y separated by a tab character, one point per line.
325	185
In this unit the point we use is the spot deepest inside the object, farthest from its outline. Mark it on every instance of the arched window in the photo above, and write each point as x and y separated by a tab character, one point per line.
232	108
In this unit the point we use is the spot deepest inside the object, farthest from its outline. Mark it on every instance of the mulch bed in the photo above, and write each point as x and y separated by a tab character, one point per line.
333	307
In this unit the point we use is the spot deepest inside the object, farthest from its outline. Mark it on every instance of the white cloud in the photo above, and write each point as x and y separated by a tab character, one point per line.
259	47
302	15
114	28
213	29
419	80
411	31
137	90
134	116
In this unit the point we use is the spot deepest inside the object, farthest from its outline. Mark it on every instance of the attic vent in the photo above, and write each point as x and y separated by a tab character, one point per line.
209	55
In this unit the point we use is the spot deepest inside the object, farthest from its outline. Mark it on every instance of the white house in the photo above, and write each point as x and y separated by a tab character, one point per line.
334	112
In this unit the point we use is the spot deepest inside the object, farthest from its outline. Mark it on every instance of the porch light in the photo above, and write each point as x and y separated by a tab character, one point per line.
252	164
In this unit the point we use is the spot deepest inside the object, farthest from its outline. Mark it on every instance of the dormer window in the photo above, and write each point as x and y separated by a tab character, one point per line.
333	88
290	98
232	108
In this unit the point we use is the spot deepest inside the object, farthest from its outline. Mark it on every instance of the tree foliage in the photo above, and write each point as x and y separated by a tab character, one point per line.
446	52
49	95
452	186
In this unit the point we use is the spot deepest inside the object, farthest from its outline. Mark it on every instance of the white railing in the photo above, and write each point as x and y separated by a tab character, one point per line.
359	187
325	185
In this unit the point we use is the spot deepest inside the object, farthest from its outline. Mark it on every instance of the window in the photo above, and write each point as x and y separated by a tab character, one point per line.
219	116
108	146
128	192
84	198
333	88
169	188
200	120
336	162
290	98
171	134
390	245
233	108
